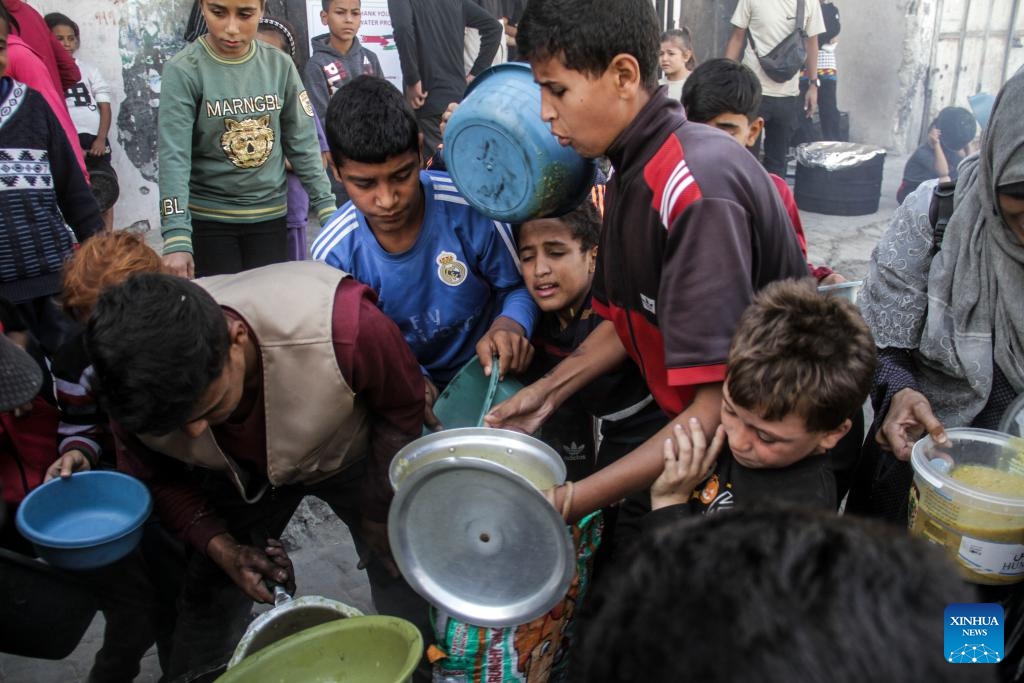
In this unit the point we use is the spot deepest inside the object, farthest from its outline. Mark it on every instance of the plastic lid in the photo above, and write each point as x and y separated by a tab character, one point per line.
938	476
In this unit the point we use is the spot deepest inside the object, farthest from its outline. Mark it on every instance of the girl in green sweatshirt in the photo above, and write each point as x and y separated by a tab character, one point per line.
231	110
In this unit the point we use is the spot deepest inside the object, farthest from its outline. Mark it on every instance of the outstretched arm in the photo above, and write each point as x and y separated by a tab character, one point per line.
639	468
599	353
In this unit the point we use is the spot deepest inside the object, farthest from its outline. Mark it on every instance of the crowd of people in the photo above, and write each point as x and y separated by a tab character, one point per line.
674	347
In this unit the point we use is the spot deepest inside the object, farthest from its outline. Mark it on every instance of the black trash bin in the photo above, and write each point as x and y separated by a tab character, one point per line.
838	178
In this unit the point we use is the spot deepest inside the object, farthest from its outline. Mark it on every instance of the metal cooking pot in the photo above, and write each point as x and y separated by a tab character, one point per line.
288	617
524	455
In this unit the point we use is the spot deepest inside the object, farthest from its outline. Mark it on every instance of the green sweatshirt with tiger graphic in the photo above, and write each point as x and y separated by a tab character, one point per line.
226	127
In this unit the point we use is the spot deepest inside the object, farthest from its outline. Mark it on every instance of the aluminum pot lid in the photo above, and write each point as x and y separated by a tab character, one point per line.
480	542
520	453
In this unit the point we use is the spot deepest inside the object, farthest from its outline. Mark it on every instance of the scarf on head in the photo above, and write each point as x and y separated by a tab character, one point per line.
962	310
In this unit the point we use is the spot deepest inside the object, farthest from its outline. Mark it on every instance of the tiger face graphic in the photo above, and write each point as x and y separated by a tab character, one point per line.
248	143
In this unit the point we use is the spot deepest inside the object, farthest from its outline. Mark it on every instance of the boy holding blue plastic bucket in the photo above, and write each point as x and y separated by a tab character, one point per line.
446	274
693	227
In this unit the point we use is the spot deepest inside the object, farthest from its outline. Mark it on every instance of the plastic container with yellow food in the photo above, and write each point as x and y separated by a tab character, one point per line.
968	496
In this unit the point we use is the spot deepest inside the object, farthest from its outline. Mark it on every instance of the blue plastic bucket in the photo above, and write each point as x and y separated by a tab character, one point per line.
89	520
502	156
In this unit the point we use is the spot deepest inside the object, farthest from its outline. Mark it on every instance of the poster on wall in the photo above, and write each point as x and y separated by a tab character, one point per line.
375	34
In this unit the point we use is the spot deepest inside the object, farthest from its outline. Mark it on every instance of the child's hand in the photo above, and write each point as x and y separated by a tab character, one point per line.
98	147
832	279
65	465
415	95
507	339
181	264
430	396
447	115
934	137
688	460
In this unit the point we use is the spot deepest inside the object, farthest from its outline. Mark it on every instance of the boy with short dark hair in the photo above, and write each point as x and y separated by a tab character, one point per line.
559	257
692	228
337	56
800	368
446	274
727	95
232	398
775	596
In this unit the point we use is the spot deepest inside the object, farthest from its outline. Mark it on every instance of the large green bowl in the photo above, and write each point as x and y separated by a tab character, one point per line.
372	649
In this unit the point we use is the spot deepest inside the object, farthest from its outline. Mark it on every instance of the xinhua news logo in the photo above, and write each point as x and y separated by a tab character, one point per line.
974	633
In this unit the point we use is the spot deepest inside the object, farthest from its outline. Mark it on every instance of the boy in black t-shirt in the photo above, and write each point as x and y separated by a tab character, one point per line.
799	368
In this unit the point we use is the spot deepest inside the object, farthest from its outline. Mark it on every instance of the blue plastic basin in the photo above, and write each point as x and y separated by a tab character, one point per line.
87	521
502	156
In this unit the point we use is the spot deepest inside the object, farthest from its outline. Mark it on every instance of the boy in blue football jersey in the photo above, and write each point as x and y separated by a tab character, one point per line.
447	275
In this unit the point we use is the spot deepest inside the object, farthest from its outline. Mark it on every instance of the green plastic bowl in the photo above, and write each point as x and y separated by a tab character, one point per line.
465	398
373	649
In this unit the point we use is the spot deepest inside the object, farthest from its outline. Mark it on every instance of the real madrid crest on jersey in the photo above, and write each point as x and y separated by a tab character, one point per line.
450	270
248	143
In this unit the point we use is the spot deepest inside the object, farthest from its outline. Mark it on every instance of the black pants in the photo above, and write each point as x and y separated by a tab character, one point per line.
828	110
779	114
224	248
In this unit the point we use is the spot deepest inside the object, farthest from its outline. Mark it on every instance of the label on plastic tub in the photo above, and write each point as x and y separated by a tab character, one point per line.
1003	559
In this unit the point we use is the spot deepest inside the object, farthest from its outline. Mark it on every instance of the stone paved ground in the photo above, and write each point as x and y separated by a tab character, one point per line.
321	546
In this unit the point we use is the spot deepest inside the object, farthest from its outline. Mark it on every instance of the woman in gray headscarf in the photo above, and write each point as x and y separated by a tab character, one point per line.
948	318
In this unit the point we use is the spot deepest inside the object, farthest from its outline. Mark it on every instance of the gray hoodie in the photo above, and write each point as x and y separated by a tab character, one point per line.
327	70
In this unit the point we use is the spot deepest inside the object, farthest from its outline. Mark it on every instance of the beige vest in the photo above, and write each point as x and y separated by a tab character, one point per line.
314	426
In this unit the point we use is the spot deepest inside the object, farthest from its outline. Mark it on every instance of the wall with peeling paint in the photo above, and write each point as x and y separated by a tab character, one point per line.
128	41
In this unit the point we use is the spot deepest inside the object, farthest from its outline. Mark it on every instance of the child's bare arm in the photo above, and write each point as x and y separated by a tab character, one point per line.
600	352
941	164
687	461
638	469
99	145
